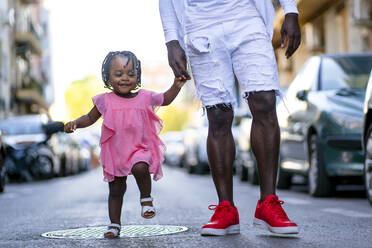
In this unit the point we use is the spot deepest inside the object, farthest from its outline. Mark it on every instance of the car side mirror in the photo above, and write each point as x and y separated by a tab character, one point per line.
53	127
302	95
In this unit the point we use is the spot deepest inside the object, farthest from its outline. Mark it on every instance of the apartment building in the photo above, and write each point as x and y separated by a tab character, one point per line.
26	85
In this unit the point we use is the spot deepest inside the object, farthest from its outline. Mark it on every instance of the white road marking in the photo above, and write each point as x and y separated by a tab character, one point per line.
295	201
349	213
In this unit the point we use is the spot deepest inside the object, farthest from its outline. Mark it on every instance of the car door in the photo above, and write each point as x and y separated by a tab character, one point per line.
295	115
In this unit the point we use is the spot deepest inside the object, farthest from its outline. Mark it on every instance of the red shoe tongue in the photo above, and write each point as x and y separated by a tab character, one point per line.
224	203
271	197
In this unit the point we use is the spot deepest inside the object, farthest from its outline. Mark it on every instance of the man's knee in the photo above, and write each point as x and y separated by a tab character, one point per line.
262	103
220	118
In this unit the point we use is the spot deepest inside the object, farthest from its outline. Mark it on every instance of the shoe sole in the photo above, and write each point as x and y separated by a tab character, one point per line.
279	230
233	229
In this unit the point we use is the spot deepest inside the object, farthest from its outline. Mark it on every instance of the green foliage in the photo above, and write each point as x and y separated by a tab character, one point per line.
79	96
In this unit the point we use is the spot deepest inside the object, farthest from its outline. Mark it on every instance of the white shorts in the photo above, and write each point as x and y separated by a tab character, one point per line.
240	47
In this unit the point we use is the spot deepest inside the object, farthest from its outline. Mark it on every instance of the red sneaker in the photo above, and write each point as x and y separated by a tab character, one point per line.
270	214
225	220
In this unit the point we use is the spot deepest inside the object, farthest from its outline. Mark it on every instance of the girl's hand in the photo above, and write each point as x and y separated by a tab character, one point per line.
179	82
70	127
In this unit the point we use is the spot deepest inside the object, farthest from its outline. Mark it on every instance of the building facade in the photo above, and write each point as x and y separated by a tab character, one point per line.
327	26
26	85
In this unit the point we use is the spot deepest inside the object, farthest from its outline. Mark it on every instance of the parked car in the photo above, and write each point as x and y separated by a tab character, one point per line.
67	153
28	154
86	142
3	175
175	149
321	122
245	163
367	140
193	138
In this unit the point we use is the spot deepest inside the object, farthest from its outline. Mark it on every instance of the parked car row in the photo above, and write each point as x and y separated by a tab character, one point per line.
34	147
188	148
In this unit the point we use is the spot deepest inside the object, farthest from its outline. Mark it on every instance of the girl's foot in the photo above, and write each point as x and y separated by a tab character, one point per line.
148	210
113	231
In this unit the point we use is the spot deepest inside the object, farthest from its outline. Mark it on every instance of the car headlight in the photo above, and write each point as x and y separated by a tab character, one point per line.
348	121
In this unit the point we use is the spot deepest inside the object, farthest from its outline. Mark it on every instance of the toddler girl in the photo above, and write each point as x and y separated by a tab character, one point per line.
129	138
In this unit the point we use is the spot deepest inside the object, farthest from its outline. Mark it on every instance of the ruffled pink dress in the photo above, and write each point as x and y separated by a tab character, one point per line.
130	133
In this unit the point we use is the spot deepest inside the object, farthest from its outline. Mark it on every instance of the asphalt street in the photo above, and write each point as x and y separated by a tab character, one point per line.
28	210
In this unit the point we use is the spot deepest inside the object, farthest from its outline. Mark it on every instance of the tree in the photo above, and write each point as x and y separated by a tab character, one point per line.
79	96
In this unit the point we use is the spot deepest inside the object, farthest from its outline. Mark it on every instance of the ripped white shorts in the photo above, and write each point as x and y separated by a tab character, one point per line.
240	47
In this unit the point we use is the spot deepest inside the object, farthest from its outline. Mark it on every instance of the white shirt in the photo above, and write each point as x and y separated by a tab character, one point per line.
202	14
172	15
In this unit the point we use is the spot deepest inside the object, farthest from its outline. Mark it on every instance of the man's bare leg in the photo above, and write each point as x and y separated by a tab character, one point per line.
265	139
221	150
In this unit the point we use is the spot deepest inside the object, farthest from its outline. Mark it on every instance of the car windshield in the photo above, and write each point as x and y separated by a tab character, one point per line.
345	72
16	128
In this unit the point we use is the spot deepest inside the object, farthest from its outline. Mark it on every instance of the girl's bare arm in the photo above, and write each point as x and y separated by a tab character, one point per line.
173	91
84	121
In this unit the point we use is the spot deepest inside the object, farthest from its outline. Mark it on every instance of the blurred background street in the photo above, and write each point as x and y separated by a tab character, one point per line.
51	54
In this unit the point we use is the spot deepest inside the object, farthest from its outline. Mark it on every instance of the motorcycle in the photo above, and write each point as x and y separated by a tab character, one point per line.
25	161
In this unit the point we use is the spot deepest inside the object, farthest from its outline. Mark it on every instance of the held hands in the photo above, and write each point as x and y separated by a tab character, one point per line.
70	127
291	34
179	82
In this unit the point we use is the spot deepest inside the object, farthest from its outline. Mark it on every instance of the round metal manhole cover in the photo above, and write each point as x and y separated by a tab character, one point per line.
126	231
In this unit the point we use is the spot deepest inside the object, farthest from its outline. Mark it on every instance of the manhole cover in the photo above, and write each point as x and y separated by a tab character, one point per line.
126	231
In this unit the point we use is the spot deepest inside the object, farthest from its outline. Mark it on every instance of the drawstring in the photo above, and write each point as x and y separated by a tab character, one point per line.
213	207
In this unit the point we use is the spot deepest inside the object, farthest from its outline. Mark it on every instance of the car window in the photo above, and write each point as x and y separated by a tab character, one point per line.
345	72
305	79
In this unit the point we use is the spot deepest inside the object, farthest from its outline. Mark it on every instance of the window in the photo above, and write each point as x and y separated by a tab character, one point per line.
345	72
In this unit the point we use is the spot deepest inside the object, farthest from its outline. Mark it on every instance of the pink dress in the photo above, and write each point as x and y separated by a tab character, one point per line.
130	133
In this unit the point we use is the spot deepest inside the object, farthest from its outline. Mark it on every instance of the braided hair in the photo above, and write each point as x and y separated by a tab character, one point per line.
136	66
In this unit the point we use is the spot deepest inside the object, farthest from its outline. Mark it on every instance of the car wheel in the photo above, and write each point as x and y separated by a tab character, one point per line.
2	179
319	183
284	179
25	176
241	171
190	169
62	171
252	170
44	167
368	165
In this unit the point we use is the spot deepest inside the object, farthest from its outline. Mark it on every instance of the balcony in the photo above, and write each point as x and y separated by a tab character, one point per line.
28	40
30	96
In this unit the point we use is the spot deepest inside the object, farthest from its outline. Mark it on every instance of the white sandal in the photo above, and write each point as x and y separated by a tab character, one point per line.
147	209
113	231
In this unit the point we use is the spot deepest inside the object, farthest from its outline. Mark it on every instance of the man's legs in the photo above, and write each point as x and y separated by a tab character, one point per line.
221	150
265	138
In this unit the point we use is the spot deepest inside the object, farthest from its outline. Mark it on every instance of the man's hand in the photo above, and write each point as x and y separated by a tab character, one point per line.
291	34
177	60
